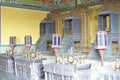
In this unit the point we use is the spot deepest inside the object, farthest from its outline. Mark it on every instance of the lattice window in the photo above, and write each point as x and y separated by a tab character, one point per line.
42	29
68	26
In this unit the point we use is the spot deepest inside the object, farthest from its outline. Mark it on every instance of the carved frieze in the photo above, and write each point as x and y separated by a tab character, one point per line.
111	5
54	14
77	11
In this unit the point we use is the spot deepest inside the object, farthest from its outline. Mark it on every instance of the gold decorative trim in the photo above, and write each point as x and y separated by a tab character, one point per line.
111	5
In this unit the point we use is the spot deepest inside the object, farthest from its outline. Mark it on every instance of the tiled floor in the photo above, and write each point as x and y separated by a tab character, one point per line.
7	76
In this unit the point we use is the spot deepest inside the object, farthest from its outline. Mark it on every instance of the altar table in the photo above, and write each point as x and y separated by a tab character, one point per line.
6	63
54	71
29	69
108	73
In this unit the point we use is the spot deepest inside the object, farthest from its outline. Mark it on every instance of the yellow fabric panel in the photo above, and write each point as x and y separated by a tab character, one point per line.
93	19
107	23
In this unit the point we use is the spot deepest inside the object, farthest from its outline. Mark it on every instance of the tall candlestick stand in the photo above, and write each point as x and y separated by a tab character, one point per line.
28	44
56	51
101	52
12	42
56	43
101	44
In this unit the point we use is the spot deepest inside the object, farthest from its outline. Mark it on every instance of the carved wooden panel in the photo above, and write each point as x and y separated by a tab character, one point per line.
114	47
77	46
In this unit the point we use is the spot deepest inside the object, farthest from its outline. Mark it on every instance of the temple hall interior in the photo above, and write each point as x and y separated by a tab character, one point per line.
59	39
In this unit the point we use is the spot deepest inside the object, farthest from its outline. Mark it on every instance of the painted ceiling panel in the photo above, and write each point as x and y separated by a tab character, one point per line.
46	4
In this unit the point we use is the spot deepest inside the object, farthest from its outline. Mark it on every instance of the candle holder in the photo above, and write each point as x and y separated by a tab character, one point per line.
12	42
63	59
117	64
58	59
70	59
33	55
81	60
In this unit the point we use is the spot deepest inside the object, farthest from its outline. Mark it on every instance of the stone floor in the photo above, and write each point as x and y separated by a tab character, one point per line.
7	76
